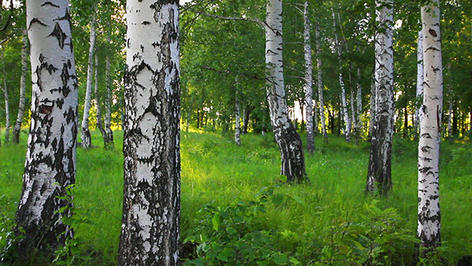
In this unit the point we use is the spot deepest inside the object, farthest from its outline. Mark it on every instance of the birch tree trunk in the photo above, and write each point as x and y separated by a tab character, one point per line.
86	138
419	80
99	121
449	120
151	202
50	159
237	127
345	113
7	109
379	177
430	130
108	102
359	103
21	104
308	81
372	109
320	82
290	144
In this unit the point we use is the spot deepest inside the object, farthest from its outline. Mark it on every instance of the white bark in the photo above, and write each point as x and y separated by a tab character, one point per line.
372	108
347	121
86	138
99	122
449	119
290	145
21	104
151	202
320	81
379	174
359	102
419	79
108	103
430	130
7	110
308	81
237	127
50	159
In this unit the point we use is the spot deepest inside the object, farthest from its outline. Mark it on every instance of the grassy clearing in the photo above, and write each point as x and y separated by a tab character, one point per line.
305	223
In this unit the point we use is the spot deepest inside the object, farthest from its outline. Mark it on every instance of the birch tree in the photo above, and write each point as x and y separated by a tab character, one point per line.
50	159
99	122
237	111
86	138
347	121
151	202
287	138
419	79
108	102
308	81
7	109
359	102
379	172
320	82
430	130
21	104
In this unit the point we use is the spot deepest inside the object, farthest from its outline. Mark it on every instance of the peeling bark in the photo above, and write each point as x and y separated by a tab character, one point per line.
151	202
379	177
86	138
287	138
50	159
308	81
430	130
21	104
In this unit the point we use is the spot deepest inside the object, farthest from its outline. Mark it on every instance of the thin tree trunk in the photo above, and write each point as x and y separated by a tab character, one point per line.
372	109
320	82
352	101
50	160
359	103
109	144
86	138
247	112
99	122
7	109
308	81
21	104
290	144
151	201
430	131
419	81
237	126
379	177
405	123
345	113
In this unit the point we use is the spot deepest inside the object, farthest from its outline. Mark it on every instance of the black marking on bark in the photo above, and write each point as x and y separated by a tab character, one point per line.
65	17
433	32
50	4
35	20
146	23
59	34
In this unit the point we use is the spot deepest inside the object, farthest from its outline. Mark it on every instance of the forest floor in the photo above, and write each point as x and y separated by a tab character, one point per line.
235	210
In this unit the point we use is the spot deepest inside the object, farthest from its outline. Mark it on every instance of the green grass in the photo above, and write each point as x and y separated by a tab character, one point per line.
217	172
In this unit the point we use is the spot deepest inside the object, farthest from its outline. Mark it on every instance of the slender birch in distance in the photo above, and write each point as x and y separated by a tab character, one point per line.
379	177
237	126
7	109
21	104
287	138
359	102
345	113
86	138
320	82
430	130
50	159
108	132
99	122
151	202
308	81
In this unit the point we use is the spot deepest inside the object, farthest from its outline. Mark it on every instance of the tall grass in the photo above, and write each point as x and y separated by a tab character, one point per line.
217	172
